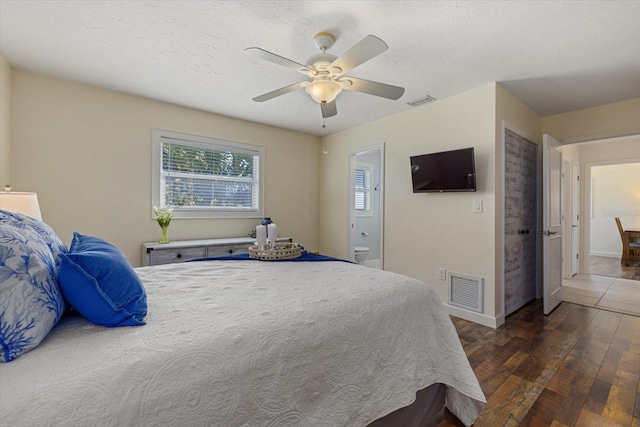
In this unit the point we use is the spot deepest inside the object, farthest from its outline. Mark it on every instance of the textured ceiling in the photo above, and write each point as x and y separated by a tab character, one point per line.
555	56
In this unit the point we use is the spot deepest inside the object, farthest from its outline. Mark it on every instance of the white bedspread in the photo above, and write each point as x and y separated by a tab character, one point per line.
248	343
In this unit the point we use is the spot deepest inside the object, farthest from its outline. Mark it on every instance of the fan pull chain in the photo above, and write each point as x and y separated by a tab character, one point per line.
324	126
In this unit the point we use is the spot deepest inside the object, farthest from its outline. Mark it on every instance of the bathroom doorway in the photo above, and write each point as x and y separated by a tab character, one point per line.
366	202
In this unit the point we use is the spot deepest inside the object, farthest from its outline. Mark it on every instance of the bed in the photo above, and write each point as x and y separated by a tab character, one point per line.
252	343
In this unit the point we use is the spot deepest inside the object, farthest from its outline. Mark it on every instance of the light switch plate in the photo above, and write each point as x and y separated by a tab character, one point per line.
477	206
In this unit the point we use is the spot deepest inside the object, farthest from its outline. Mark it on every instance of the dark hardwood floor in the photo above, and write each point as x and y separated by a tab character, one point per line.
579	366
611	267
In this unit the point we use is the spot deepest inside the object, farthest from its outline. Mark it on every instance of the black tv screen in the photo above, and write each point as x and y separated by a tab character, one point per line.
445	171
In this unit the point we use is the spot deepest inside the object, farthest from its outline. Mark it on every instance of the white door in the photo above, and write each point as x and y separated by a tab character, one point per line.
551	223
575	217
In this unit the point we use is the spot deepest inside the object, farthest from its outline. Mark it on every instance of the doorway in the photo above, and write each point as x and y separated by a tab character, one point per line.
614	191
609	190
366	206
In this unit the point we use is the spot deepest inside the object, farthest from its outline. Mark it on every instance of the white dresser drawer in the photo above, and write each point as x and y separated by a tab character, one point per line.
222	250
167	256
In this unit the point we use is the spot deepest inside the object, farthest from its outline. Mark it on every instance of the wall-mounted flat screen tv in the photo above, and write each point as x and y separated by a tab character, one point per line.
443	172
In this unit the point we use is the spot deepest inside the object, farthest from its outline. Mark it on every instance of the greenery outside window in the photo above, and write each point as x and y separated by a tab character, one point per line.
363	177
202	177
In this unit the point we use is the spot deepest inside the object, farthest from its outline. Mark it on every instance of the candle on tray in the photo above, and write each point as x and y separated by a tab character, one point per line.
272	233
261	234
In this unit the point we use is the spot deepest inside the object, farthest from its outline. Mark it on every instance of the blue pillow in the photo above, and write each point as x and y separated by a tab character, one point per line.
43	230
98	281
30	299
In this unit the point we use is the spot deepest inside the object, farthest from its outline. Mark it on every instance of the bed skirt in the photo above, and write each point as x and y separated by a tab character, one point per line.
428	404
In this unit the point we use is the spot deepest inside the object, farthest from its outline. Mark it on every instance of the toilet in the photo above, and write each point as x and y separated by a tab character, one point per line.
361	254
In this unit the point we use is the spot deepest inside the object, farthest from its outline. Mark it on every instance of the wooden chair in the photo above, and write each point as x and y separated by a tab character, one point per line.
630	249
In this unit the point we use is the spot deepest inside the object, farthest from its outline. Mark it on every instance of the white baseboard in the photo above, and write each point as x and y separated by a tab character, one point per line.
606	254
482	319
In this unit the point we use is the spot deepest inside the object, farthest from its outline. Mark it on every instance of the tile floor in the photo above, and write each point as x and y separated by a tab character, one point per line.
607	293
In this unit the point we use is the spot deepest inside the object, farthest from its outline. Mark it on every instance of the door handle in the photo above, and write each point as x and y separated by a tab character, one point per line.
573	226
551	233
523	231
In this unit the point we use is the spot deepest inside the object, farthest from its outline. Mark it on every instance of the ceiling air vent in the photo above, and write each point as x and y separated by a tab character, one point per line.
420	101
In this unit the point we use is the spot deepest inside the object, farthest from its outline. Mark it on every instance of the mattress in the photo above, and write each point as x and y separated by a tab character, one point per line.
248	343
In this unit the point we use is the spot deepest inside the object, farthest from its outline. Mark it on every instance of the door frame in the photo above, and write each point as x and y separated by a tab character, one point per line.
567	215
504	127
352	195
575	213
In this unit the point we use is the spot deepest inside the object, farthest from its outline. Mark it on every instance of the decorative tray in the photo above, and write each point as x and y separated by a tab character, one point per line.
282	251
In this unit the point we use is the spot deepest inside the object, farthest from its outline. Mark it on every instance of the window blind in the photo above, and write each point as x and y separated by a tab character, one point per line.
218	177
362	185
201	177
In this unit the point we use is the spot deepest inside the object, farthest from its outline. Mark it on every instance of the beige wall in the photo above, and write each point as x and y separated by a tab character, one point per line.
87	153
423	232
5	122
605	121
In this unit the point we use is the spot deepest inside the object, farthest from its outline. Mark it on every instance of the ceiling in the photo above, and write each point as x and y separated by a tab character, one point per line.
555	56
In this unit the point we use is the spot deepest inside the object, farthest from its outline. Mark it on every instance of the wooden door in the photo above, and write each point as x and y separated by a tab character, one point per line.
520	221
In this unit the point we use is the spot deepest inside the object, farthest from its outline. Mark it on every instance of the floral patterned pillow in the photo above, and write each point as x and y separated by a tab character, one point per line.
30	299
43	230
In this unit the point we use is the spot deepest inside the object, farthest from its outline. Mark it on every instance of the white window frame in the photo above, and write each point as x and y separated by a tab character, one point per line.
160	136
367	167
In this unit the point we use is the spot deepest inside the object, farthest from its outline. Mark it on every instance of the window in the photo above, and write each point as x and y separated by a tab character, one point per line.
203	177
363	189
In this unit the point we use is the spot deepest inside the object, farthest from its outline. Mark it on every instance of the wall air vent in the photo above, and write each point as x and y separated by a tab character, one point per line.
465	291
420	101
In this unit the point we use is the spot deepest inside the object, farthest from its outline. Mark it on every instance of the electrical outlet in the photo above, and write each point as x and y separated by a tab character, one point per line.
442	274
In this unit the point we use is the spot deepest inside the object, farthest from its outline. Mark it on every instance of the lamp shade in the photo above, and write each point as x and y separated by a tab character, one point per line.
322	90
23	203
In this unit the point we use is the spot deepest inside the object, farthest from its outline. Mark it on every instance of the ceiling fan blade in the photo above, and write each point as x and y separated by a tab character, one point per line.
277	59
329	109
367	48
373	88
281	91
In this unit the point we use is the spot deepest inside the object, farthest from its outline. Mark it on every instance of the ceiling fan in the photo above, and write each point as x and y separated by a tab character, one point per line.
327	73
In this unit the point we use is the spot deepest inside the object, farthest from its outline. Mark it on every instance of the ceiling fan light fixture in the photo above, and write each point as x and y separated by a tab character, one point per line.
323	90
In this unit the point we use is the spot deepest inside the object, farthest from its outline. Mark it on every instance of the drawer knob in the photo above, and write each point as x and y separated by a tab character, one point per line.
230	251
179	256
